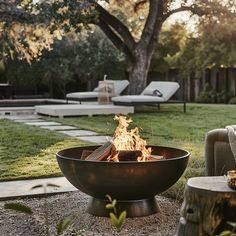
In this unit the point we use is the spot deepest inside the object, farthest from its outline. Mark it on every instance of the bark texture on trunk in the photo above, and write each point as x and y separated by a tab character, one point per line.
144	49
138	72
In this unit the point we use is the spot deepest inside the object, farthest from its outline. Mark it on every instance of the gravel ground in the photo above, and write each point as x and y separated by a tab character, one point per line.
59	206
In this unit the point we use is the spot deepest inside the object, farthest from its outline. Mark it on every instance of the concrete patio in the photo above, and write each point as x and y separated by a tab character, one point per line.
85	109
23	188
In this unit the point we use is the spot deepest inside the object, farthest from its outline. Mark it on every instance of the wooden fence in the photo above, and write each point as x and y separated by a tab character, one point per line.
222	79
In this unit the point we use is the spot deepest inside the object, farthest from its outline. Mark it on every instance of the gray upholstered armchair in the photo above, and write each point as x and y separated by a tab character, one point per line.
218	155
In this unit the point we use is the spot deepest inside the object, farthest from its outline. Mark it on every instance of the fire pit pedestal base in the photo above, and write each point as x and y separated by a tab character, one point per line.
133	208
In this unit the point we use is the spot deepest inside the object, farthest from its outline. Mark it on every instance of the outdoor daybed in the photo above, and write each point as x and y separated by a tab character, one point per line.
119	87
157	92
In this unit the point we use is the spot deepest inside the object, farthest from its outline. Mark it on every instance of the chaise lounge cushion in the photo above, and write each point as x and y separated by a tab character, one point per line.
138	99
165	88
119	87
82	95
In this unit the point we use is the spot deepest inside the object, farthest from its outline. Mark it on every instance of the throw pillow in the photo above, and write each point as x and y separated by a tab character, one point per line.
157	93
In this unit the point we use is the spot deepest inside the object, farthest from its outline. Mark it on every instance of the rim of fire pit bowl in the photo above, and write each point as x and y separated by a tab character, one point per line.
187	153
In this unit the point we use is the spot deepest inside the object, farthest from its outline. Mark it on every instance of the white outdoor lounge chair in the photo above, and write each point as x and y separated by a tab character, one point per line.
157	92
119	87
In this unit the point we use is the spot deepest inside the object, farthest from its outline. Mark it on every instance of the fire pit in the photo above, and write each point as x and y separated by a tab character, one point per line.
125	168
134	184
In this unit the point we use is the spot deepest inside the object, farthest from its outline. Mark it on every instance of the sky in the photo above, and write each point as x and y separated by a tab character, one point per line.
185	17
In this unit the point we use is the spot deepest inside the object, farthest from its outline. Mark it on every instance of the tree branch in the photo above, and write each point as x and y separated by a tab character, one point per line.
117	26
157	28
118	43
150	22
194	9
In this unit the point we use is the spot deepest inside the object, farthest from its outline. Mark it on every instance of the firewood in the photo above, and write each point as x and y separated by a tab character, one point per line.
85	154
129	155
101	153
155	158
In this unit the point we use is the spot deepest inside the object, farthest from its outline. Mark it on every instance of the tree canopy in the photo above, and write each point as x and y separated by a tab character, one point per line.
212	47
136	37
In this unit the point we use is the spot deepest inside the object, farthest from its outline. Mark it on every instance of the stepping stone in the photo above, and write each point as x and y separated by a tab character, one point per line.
95	139
59	127
43	123
28	121
19	188
75	133
21	117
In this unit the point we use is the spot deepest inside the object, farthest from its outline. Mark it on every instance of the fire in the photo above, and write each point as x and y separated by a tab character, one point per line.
128	140
127	145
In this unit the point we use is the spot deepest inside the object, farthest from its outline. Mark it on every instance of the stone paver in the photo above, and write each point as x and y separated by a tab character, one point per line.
28	120
22	117
43	123
59	127
75	133
19	188
95	139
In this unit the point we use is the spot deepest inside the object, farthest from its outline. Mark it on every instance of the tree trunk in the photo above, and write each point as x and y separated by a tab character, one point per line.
138	73
138	53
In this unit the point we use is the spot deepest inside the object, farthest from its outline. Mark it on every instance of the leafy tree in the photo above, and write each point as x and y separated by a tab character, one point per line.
213	47
96	56
86	58
172	40
68	15
83	58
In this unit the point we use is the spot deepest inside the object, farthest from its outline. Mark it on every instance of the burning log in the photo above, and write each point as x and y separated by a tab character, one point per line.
85	154
155	158
101	153
127	145
129	155
107	152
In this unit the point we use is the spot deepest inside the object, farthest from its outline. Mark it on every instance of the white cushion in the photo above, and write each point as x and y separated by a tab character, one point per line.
154	92
167	88
119	87
137	98
82	95
95	89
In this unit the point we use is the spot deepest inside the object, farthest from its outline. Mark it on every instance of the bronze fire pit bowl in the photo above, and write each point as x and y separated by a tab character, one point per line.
133	184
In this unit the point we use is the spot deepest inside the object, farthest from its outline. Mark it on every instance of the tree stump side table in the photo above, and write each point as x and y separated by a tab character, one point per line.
208	205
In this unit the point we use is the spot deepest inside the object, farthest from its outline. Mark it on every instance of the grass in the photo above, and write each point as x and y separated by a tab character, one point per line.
27	152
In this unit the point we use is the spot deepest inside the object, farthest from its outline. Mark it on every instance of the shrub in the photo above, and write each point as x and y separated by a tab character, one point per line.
223	96
207	95
232	100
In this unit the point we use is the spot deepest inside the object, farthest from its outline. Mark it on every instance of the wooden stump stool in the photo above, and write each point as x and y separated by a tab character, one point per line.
208	205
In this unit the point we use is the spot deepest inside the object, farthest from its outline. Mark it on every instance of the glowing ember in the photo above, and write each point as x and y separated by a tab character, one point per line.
128	140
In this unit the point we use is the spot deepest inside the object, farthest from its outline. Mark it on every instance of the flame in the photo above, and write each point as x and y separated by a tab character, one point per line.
129	140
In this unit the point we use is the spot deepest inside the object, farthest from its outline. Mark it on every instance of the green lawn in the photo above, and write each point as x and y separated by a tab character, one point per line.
30	152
